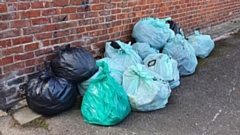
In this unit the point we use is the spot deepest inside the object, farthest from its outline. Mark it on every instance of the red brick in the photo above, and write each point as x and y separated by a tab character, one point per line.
24	56
13	67
97	6
43	51
59	18
22	6
32	30
3	8
50	27
34	61
35	5
13	50
45	43
66	25
67	10
40	21
9	16
60	3
3	25
31	47
42	36
48	12
30	14
103	13
61	33
11	33
22	40
6	60
116	11
5	43
92	14
75	2
20	24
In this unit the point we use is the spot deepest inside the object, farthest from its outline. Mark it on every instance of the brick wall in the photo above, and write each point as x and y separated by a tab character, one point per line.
30	29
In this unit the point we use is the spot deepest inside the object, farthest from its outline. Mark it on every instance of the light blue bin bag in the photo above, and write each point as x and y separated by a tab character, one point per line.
165	66
156	32
126	56
109	50
146	90
116	70
203	44
180	50
144	49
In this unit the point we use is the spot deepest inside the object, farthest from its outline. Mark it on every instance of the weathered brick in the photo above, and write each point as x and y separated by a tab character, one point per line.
42	36
7	92
26	71
33	30
4	25
16	81
51	11
9	16
43	51
20	23
11	33
13	67
33	62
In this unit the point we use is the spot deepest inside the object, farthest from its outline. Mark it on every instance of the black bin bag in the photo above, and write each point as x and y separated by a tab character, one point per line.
75	64
49	95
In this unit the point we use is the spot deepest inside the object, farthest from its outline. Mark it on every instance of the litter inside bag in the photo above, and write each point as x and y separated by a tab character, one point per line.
50	95
165	66
146	90
105	101
180	50
75	64
144	49
156	32
203	44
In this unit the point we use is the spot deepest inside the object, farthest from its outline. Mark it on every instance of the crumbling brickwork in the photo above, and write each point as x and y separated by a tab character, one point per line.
30	29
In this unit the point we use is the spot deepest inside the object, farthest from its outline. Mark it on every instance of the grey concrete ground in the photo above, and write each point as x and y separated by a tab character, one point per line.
206	103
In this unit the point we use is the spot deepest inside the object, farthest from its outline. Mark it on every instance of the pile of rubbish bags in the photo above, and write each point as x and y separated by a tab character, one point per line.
130	77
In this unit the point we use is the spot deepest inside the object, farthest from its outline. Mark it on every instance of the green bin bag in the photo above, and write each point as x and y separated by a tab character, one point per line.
105	101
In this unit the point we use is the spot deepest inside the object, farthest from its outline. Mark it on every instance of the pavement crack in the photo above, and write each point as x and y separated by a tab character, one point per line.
216	115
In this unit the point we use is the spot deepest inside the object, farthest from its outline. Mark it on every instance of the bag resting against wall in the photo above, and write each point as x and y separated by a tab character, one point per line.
50	95
75	64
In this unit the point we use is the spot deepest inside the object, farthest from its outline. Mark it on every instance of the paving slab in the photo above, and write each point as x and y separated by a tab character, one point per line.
2	113
25	115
